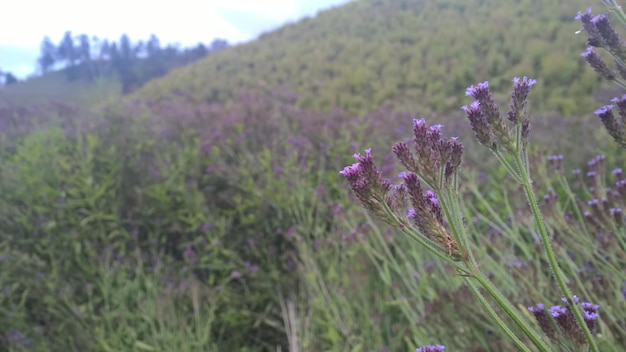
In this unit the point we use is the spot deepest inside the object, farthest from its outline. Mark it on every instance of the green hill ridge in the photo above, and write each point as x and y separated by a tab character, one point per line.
419	55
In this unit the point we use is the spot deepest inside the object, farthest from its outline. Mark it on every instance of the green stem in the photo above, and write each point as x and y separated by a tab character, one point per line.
514	173
545	238
614	6
495	316
447	201
504	303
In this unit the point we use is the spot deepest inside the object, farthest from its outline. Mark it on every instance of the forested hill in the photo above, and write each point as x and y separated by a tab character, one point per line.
420	54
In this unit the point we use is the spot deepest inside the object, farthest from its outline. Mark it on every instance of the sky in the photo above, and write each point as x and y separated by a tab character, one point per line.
188	22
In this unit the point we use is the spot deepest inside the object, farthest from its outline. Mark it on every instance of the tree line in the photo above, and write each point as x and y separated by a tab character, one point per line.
88	57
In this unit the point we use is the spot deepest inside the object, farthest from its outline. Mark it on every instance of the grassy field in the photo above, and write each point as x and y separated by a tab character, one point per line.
172	221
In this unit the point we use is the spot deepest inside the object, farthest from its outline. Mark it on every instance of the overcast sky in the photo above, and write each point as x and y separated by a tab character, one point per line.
25	22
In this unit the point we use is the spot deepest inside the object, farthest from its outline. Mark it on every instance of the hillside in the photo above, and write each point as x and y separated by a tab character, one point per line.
419	54
54	87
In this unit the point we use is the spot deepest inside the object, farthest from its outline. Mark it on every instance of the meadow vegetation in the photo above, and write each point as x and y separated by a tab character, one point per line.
206	212
416	54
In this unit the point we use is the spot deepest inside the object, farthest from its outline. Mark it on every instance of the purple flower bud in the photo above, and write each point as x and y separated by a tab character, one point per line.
615	129
519	97
479	123
478	90
590	319
430	348
567	322
350	170
543	320
604	110
608	34
436	129
538	308
596	62
590	307
574	298
419	123
580	16
557	311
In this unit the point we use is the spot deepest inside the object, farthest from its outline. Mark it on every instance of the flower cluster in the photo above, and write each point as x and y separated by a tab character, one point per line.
484	115
560	319
605	209
601	34
615	126
435	154
427	215
430	164
367	183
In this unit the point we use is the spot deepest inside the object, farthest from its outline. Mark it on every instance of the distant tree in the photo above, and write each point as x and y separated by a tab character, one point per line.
9	79
84	49
47	55
218	44
126	51
123	64
139	49
153	46
87	57
114	53
199	51
66	50
193	54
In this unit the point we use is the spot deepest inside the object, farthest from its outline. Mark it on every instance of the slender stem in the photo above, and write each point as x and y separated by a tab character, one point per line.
504	303
545	238
447	204
514	173
614	6
572	197
495	316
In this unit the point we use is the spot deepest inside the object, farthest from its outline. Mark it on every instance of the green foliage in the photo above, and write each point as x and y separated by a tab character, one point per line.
228	228
412	53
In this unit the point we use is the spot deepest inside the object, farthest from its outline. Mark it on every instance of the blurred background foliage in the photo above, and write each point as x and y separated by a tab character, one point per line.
417	54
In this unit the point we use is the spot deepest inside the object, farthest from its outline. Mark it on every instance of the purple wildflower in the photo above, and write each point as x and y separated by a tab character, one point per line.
615	129
574	298
567	323
580	16
519	97
596	62
609	35
590	307
544	321
479	123
430	348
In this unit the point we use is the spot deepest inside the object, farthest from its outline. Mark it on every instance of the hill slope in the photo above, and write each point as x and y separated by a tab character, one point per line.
419	54
54	87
